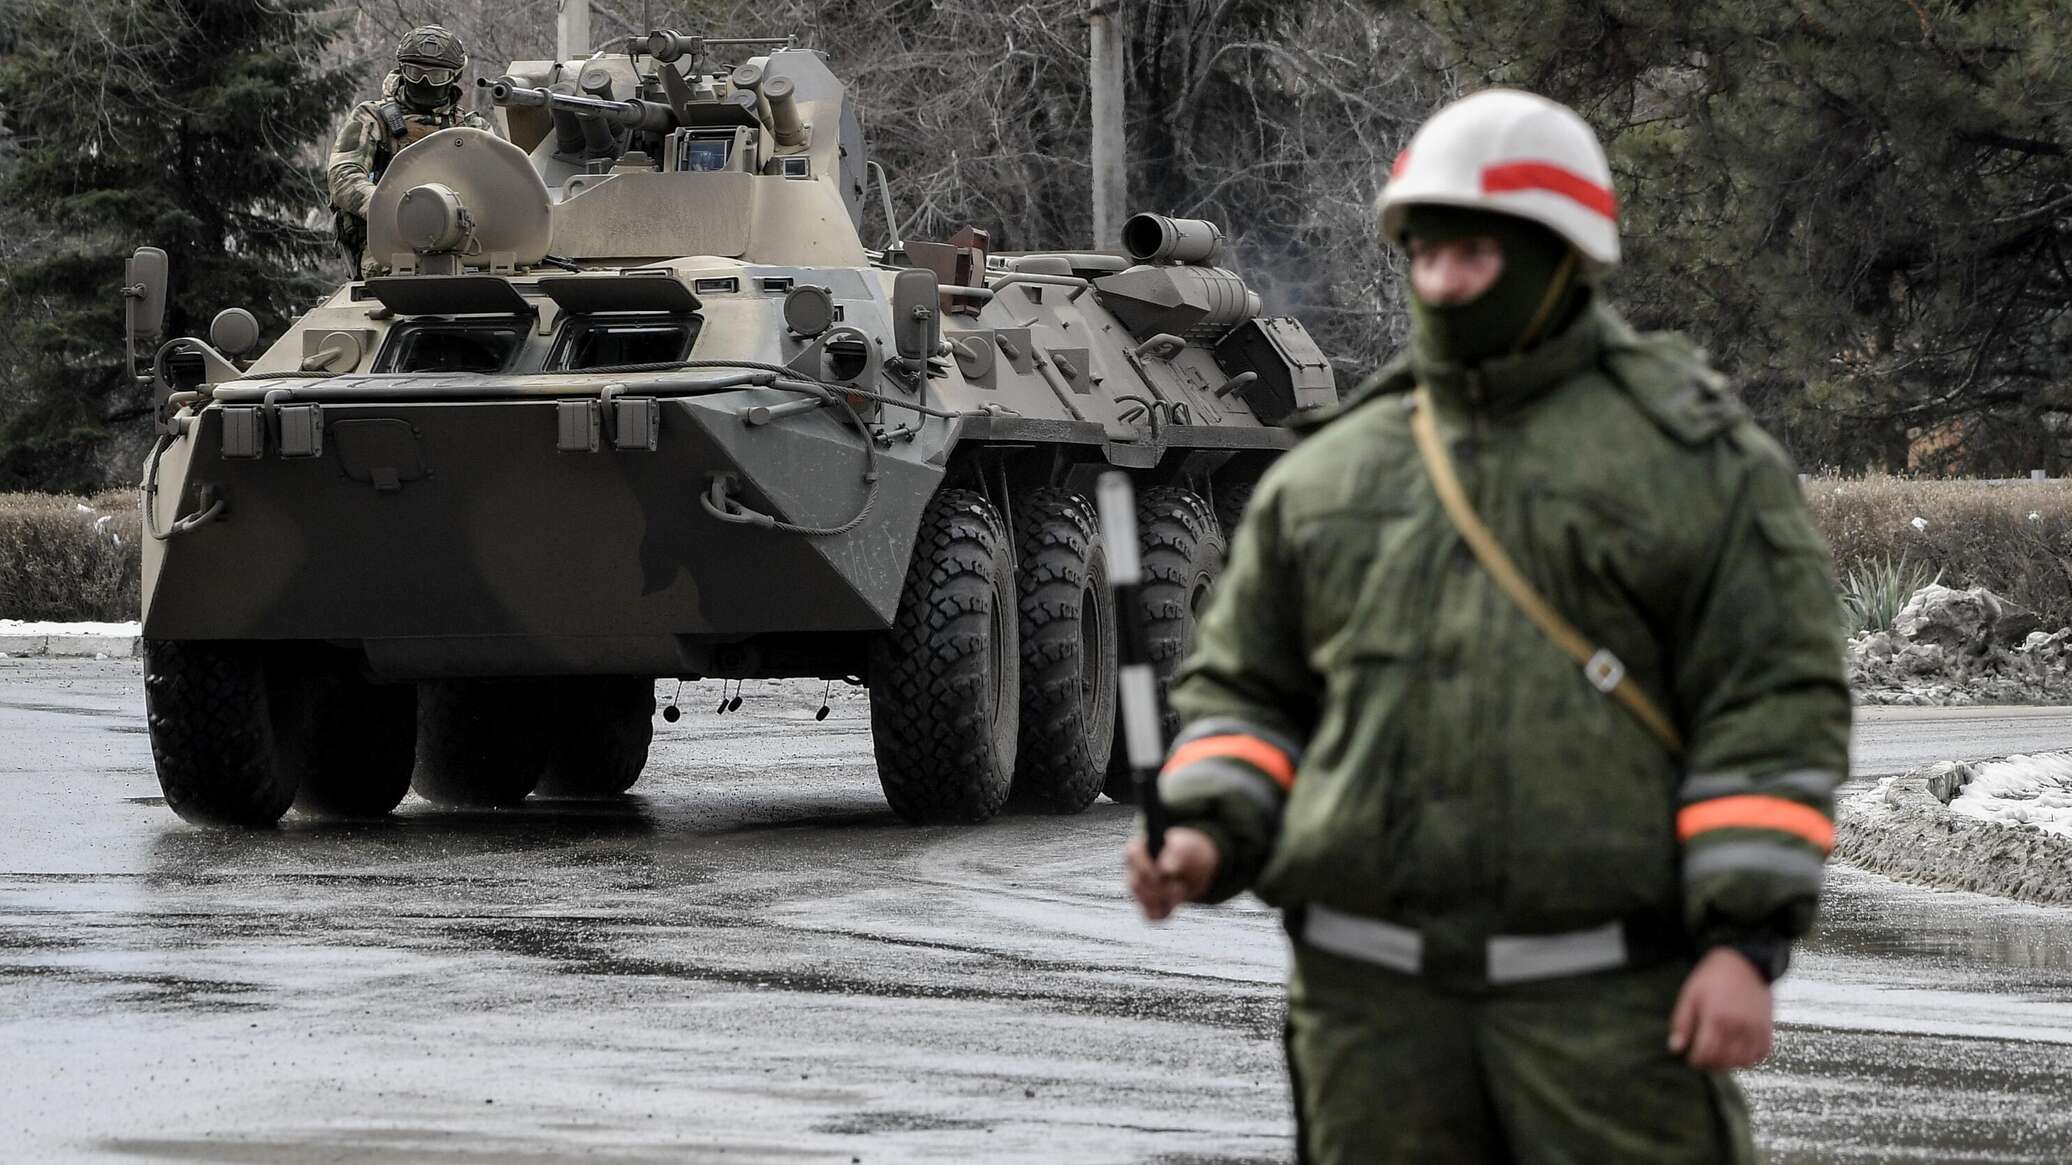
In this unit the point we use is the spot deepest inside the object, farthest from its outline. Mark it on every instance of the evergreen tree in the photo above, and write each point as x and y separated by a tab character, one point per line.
192	125
1864	207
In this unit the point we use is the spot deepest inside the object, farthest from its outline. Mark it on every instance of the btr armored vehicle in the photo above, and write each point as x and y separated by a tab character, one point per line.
625	396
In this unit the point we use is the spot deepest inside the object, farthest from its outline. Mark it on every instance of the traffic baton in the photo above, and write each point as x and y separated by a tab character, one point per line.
1143	712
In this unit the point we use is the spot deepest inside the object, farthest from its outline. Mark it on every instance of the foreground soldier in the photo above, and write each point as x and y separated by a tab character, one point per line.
1535	906
421	97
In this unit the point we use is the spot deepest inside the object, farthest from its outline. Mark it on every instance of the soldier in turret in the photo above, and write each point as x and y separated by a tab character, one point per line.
422	96
1522	696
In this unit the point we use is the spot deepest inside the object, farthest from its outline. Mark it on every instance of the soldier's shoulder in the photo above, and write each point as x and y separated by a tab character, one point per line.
353	131
1671	382
1343	458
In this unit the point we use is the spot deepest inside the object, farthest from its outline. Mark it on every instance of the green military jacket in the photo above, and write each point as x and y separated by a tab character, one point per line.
372	134
1374	727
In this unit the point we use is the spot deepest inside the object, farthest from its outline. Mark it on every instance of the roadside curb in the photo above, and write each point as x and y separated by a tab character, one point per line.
49	646
1902	831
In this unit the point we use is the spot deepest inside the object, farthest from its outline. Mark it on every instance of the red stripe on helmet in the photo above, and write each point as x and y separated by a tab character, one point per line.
1402	163
1514	176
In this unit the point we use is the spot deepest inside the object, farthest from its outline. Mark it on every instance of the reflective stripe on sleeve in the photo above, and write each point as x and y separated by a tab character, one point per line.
1232	726
1252	750
1757	811
1775	858
1727	783
1217	777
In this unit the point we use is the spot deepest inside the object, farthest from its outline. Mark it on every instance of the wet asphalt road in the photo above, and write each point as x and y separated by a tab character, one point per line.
752	960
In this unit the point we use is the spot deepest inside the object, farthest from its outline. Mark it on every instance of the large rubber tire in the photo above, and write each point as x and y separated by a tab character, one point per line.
1232	500
602	729
944	680
353	741
1068	641
212	737
481	743
1183	549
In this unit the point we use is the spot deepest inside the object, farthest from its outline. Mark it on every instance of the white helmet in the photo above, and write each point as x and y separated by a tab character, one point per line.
1514	153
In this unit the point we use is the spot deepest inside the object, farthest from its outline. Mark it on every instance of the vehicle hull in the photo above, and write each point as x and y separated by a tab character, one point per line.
457	538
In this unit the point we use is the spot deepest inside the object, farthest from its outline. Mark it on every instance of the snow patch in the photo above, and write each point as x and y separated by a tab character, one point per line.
2021	790
27	627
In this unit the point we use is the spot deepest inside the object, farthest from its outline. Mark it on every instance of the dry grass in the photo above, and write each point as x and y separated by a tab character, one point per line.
58	562
2015	540
70	558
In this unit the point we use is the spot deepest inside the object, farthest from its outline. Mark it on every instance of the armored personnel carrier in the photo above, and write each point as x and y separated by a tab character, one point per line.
625	395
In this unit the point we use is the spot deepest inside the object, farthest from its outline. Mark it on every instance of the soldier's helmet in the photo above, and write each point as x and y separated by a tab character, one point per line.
431	56
1513	153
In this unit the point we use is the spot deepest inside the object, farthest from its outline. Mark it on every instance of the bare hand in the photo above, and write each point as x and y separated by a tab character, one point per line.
1182	873
1722	1016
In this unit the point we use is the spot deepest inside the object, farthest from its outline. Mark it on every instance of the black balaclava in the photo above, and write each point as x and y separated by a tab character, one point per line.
426	98
1535	295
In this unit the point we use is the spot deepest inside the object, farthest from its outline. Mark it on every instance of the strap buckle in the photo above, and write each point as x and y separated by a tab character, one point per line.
1604	671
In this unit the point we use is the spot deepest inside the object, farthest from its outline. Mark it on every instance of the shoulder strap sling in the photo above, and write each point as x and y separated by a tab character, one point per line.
1600	666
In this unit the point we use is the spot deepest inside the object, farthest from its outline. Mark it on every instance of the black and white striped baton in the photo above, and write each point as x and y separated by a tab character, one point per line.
1143	713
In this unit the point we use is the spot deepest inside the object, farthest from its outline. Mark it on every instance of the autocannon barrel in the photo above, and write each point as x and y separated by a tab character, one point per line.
1154	238
647	115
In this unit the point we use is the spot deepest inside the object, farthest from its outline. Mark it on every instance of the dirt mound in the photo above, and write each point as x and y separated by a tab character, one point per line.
1950	646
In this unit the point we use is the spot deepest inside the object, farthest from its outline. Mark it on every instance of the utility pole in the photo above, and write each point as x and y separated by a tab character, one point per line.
1111	179
571	29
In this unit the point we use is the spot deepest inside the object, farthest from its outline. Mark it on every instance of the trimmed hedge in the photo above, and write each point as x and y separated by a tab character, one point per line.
70	558
2015	539
59	561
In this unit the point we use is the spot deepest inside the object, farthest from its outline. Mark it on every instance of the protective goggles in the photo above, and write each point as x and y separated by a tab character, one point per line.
437	75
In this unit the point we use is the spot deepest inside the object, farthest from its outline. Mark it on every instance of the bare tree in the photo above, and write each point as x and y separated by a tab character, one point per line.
1278	120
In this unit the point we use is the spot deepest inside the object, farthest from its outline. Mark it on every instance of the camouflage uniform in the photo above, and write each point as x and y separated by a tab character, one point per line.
1377	733
372	135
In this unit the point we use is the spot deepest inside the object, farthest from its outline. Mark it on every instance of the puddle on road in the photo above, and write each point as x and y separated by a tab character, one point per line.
1827	1097
1921	1026
1868	916
866	1123
432	1146
416	833
67	710
155	991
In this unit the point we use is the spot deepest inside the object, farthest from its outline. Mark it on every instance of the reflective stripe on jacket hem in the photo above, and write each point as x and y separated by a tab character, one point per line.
1520	958
1370	940
1511	958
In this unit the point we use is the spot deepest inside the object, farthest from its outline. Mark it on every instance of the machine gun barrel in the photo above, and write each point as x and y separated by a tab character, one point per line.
646	115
